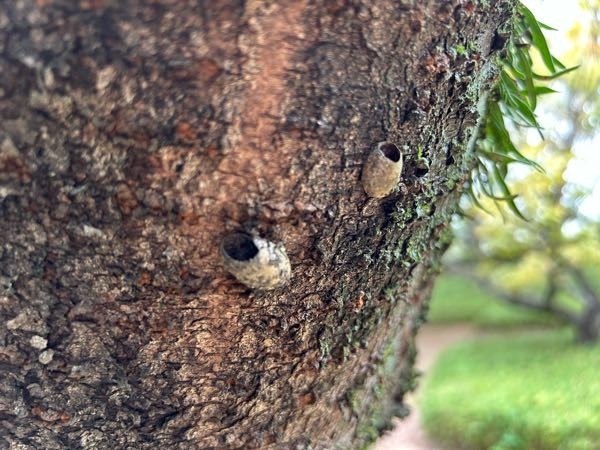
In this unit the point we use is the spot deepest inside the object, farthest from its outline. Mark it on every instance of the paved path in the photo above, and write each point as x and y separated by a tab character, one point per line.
431	340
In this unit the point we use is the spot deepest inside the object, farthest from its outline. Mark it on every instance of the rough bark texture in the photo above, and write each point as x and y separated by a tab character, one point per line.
136	134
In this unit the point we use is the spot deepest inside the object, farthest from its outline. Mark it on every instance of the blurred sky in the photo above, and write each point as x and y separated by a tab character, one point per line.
584	169
559	14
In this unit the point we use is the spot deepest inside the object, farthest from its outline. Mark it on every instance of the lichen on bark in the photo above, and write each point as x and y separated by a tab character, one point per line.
136	134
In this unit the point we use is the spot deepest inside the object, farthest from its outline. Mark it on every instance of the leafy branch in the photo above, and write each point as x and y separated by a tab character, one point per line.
513	100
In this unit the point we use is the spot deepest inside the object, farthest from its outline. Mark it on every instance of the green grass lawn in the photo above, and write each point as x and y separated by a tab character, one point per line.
524	390
534	391
455	299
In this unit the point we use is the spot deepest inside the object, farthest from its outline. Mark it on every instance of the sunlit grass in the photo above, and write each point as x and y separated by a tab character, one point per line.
536	391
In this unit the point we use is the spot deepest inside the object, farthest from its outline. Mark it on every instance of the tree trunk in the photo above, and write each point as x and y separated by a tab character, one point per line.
588	326
136	134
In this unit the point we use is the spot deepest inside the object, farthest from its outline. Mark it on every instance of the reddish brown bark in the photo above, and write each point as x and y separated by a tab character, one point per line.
136	134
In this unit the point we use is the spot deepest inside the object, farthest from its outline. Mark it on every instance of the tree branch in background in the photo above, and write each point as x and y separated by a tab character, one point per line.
588	292
545	303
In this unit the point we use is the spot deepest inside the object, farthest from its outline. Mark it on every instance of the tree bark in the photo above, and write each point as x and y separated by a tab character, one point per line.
136	134
588	326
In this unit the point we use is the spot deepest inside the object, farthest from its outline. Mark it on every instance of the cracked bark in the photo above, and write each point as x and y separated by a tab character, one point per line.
136	134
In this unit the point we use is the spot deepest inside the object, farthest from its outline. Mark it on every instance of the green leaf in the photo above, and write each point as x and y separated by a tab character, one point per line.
541	90
558	63
509	198
555	75
473	197
514	99
525	62
538	38
499	157
511	94
546	27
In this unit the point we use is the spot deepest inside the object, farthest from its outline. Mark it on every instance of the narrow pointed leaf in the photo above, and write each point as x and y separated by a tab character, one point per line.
555	75
525	62
538	38
509	198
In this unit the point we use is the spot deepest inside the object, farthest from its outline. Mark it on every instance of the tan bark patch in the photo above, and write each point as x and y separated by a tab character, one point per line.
271	44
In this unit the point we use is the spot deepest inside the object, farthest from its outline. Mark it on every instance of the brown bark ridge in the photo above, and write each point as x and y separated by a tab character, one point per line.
136	134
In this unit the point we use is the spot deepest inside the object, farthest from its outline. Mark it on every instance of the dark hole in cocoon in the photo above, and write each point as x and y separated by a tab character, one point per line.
390	151
421	171
239	247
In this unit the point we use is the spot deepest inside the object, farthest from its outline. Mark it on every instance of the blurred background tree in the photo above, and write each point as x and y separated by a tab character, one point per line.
551	261
521	386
